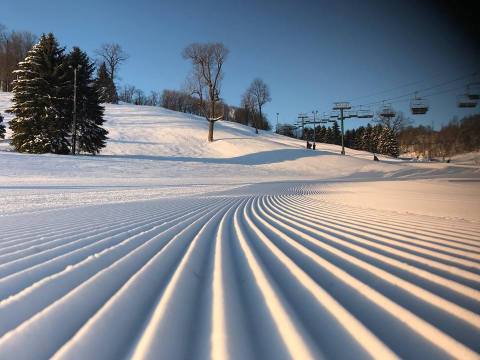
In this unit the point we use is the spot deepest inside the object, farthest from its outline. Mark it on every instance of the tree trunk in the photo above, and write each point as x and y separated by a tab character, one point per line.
261	118
212	116
210	130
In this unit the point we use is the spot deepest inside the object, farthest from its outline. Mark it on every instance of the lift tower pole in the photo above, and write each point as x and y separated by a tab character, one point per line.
314	112
302	118
342	106
74	124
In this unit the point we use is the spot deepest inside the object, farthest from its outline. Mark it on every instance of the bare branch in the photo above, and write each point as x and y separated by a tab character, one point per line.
113	55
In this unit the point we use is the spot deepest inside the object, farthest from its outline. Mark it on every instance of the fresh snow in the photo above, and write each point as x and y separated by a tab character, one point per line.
167	246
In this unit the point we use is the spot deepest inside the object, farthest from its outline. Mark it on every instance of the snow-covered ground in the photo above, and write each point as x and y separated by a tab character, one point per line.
166	246
472	158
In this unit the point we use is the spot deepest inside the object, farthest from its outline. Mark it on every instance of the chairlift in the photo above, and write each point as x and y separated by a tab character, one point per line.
364	114
387	111
464	101
334	115
418	105
349	114
473	91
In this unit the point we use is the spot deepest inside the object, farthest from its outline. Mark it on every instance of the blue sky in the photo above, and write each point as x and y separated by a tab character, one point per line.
310	53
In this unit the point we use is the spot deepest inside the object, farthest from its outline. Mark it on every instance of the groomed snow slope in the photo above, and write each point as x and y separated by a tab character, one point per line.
250	247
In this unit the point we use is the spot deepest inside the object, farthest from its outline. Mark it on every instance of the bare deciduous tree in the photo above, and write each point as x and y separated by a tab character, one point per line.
126	93
207	73
195	86
260	95
248	103
139	97
113	55
153	99
14	46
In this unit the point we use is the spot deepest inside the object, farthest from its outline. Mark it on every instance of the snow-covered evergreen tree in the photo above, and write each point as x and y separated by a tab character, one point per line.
367	138
39	125
91	136
2	128
388	144
375	138
105	86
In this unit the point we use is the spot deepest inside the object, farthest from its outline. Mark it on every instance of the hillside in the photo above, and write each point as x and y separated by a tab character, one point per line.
155	143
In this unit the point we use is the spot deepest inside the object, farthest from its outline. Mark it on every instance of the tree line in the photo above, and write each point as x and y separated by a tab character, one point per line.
379	138
178	100
456	137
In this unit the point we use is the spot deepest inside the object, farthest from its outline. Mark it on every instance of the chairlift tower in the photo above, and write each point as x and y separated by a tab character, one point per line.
301	118
342	106
74	124
314	112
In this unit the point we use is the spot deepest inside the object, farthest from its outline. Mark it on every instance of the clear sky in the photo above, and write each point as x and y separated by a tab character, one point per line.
310	53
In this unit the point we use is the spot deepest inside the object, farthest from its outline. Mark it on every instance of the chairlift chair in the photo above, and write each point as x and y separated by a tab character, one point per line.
387	111
334	115
349	114
464	101
473	91
364	114
418	105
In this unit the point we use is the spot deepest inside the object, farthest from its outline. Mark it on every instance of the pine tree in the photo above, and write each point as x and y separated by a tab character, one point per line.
105	86
2	128
322	130
353	138
336	134
349	138
329	138
358	141
91	136
39	124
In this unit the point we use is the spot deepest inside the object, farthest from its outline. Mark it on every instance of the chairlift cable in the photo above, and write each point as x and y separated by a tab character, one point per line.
408	85
422	90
